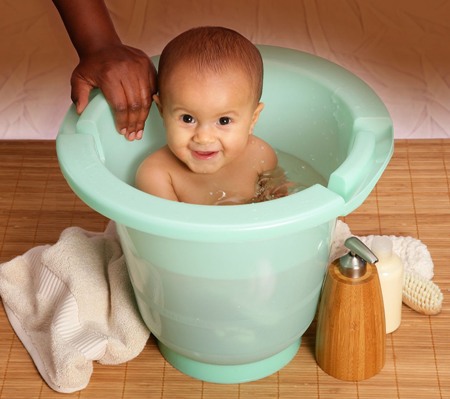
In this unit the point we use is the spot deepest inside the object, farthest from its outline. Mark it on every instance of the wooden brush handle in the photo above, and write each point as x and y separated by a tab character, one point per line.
351	335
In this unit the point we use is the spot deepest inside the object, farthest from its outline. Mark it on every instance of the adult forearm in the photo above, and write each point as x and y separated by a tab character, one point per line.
88	24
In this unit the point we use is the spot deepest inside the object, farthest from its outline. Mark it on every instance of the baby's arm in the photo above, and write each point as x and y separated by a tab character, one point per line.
272	178
153	178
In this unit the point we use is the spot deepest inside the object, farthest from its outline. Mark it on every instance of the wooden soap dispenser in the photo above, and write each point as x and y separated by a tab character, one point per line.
351	332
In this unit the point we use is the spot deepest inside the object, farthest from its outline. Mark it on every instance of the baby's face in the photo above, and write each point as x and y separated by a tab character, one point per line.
208	117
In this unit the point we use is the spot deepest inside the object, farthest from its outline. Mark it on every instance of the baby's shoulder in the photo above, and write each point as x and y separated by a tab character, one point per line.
162	156
263	151
155	167
157	163
259	144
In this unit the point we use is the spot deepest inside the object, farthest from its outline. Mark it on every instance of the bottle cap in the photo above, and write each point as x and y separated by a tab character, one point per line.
353	265
382	246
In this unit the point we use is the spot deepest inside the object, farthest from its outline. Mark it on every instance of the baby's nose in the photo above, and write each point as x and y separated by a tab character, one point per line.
204	135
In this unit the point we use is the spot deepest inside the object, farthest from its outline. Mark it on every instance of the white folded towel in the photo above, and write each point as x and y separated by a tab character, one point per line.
72	303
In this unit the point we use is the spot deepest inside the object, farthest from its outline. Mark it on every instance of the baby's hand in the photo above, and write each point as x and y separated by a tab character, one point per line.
271	185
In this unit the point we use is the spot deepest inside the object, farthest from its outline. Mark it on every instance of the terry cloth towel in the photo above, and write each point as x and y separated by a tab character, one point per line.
72	303
414	253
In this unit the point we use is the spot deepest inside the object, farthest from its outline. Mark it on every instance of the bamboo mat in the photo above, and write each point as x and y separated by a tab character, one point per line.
412	198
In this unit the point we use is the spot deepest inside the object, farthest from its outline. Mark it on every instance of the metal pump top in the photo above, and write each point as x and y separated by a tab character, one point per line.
353	265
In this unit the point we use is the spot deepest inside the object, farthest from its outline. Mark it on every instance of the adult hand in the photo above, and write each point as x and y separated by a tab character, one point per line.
126	75
127	78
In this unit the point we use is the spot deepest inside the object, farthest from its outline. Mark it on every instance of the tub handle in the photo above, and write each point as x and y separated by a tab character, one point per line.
87	122
350	176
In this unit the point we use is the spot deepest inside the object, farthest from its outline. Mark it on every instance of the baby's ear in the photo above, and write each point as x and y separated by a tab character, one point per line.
255	116
157	101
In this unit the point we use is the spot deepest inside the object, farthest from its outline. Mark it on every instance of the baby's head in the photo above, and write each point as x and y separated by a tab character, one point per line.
215	50
210	84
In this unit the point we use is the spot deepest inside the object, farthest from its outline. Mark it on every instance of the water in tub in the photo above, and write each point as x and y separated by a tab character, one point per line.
291	176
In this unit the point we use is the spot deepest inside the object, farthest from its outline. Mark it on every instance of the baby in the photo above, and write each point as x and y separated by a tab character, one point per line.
210	85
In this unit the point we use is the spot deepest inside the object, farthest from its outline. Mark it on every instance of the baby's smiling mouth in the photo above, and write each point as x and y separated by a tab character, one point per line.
204	155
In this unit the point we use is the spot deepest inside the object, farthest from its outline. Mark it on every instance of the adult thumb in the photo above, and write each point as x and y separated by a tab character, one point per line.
80	94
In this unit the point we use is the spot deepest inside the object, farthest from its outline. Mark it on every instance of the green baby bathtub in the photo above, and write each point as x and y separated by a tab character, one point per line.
228	291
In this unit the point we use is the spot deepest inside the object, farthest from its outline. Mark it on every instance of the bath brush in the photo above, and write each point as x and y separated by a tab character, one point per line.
422	295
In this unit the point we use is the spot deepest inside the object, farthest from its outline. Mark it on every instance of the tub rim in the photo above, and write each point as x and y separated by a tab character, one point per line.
81	161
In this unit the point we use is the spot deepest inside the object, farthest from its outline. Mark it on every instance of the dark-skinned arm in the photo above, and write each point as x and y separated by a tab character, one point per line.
126	75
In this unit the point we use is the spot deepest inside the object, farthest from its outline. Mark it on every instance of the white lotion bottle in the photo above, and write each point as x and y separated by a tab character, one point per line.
390	272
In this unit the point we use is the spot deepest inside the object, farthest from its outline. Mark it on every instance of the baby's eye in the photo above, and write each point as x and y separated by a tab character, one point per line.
187	118
224	120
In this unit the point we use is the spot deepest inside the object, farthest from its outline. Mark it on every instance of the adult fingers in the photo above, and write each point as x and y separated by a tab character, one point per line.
115	96
137	106
148	88
112	90
127	78
80	93
139	89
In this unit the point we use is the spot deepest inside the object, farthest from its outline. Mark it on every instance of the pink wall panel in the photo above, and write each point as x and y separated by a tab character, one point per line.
399	48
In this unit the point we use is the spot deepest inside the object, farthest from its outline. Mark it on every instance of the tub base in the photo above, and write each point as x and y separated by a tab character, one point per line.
230	374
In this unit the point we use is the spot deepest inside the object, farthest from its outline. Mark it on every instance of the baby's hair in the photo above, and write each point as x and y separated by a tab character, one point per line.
215	49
